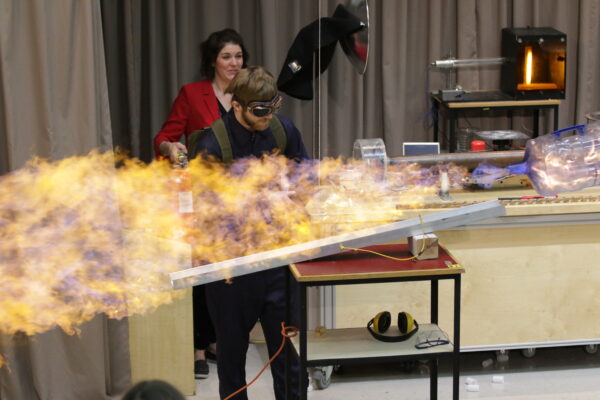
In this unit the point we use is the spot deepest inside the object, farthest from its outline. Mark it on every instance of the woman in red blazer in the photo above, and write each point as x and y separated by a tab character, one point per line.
199	104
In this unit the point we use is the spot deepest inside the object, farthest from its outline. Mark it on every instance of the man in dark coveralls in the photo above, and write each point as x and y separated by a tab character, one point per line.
236	306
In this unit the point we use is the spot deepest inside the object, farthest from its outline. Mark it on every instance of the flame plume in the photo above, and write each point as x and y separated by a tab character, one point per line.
64	228
80	237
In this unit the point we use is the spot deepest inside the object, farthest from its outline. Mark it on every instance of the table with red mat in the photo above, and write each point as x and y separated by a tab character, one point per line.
360	267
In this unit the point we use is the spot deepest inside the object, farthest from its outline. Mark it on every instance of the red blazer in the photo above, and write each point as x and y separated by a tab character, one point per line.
194	108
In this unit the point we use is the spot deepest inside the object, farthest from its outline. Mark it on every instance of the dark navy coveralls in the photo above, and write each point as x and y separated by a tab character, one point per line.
236	307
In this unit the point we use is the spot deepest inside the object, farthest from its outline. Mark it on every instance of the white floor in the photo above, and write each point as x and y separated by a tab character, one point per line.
566	373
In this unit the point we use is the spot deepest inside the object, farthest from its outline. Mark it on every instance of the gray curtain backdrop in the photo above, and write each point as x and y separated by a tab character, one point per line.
54	104
53	90
83	74
152	49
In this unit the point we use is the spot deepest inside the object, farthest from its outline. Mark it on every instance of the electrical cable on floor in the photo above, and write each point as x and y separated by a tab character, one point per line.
286	333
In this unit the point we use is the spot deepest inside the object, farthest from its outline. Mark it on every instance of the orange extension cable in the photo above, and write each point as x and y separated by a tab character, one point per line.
293	331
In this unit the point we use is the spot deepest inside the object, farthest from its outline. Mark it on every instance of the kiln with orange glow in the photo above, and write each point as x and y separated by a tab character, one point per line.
535	63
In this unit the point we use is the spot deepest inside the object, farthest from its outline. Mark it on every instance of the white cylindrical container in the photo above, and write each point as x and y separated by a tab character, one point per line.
473	388
470	381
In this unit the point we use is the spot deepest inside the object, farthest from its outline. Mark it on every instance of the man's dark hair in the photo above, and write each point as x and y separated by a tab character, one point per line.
210	48
252	84
153	390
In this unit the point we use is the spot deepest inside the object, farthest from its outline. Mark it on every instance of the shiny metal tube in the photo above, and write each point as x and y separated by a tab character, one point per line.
469	160
471	62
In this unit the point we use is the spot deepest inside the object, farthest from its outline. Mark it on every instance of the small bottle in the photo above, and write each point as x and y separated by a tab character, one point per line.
182	187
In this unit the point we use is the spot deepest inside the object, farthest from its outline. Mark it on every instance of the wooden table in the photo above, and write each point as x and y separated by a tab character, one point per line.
541	247
356	345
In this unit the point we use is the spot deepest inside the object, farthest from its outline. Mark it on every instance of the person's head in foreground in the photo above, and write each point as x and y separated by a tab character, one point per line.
153	390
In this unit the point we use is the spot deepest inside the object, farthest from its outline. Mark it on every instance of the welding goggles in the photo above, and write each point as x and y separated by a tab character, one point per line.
427	339
263	108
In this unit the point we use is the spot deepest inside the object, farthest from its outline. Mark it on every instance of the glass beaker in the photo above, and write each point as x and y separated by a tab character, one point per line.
464	138
372	153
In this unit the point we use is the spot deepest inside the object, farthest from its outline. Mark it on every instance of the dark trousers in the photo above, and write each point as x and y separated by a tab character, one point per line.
204	332
235	308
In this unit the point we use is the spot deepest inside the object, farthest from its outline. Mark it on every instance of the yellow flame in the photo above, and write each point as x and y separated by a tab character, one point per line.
528	64
80	237
67	234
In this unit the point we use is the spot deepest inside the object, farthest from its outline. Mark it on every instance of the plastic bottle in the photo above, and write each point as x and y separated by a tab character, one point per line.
556	164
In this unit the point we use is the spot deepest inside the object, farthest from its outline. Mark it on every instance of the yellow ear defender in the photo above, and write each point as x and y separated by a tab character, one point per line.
379	324
406	322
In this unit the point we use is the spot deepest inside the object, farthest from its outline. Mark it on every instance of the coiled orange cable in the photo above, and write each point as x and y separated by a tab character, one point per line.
286	333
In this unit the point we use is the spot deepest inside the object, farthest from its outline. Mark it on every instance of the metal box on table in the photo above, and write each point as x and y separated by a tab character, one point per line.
535	66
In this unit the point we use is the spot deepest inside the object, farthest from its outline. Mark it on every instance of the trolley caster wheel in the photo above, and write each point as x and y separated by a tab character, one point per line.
408	366
591	348
502	356
423	367
321	377
528	353
338	369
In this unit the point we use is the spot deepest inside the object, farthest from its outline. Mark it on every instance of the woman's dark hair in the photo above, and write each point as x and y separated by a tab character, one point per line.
153	390
210	48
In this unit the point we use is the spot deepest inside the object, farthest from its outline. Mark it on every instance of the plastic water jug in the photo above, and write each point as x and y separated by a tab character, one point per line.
557	164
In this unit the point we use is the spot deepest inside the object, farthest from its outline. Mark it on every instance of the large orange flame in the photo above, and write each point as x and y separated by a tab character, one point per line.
80	237
70	242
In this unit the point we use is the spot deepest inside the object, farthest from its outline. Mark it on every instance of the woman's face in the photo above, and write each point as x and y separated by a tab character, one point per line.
229	61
